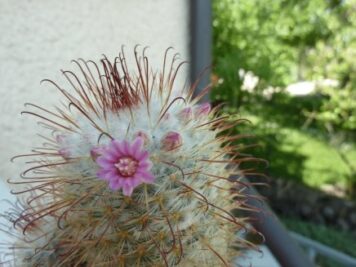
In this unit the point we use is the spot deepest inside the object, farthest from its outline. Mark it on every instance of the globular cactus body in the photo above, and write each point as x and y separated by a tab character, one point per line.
133	173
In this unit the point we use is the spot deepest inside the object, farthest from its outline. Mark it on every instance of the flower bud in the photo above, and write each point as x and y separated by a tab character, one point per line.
64	152
186	114
166	116
96	151
60	139
144	136
171	141
203	110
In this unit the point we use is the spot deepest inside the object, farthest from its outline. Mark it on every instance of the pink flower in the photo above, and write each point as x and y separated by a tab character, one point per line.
125	165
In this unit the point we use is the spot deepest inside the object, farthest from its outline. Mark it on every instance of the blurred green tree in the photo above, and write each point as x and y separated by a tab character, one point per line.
335	59
269	38
285	41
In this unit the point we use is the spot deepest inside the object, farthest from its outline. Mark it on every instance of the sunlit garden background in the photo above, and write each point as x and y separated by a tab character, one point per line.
288	66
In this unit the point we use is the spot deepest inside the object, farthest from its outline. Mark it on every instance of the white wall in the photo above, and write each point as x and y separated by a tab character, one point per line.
40	37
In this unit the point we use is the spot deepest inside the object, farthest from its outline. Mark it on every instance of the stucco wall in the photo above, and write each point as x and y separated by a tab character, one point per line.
40	37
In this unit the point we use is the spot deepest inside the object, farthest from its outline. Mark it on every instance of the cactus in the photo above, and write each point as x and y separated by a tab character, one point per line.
133	172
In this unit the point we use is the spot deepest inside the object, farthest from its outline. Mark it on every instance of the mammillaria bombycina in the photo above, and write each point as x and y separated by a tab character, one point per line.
133	172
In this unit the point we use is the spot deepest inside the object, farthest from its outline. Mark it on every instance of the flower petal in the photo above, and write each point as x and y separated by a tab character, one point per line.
125	147
105	163
143	156
118	147
146	177
131	182
112	155
127	190
136	146
114	184
107	174
145	165
102	174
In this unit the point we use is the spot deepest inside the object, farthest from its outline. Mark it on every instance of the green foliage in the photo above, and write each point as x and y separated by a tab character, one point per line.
267	37
335	59
243	39
339	111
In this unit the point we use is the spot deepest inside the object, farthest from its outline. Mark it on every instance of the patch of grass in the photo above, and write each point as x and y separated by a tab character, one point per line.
294	153
322	163
341	241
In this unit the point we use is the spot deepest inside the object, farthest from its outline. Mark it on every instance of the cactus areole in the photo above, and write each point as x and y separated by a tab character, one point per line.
132	172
